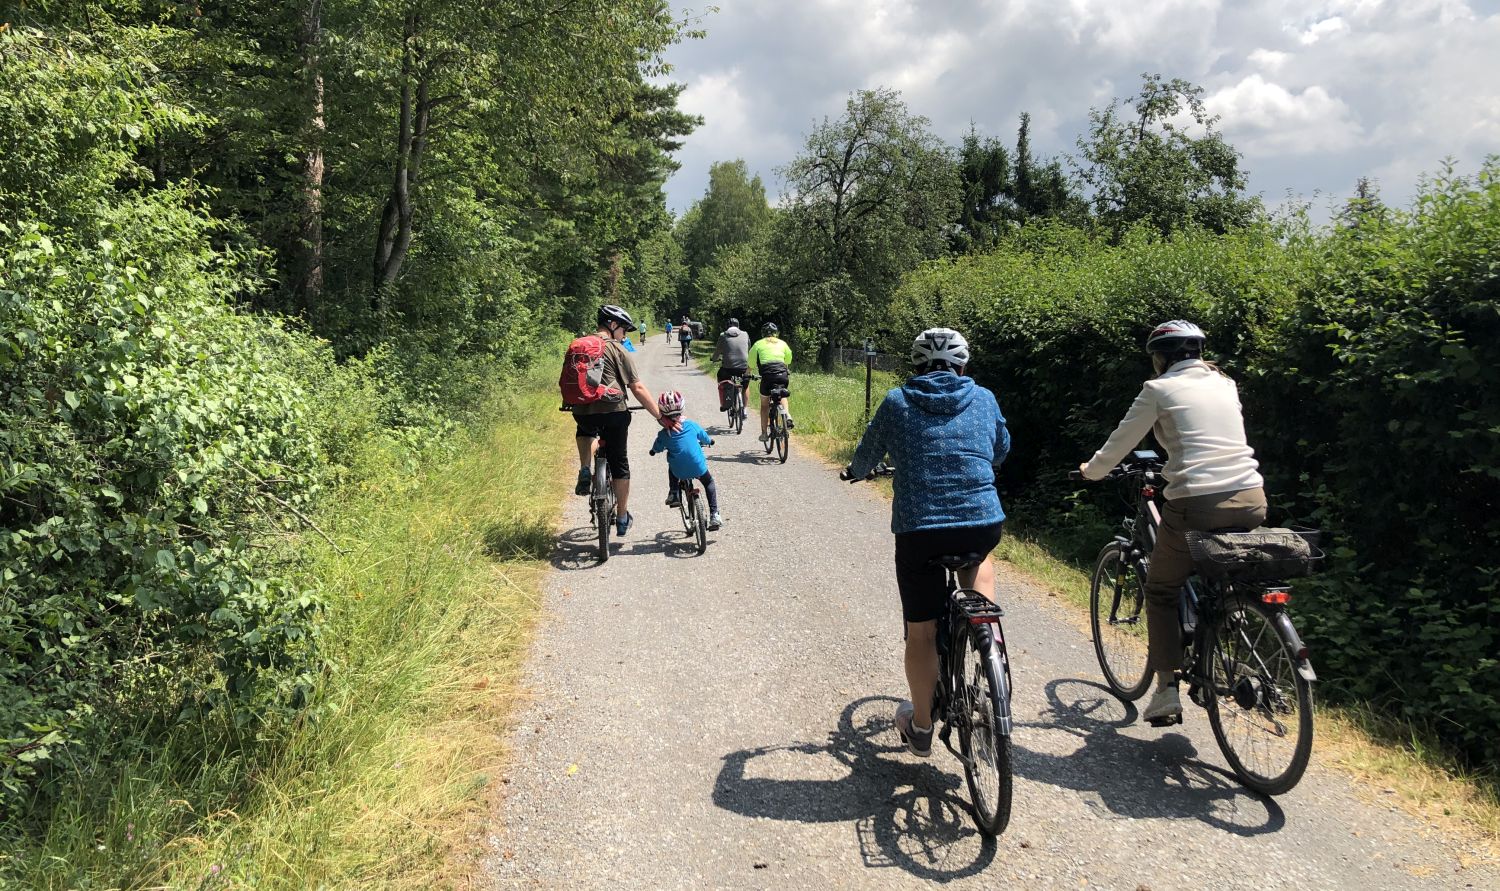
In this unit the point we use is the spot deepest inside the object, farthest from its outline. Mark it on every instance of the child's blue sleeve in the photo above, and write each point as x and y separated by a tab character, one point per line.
703	436
660	445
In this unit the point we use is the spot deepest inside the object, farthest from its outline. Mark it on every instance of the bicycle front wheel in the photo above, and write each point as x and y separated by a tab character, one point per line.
1259	706
700	517
1117	599
982	695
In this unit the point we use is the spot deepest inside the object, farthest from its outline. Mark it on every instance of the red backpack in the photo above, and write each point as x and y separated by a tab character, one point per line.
582	380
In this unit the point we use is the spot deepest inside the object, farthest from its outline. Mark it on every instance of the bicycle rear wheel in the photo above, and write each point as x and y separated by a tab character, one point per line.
737	412
700	517
772	428
603	501
783	438
1117	600
1259	706
980	685
685	507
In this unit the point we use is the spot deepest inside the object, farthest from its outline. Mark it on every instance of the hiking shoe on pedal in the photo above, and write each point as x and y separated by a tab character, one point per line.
585	481
675	499
765	438
918	742
790	424
715	521
622	524
1165	707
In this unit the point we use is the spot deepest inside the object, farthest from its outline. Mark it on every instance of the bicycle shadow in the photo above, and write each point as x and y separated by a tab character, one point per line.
671	542
578	549
756	455
907	814
1131	777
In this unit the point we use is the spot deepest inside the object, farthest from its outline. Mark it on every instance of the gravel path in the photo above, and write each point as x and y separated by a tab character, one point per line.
723	721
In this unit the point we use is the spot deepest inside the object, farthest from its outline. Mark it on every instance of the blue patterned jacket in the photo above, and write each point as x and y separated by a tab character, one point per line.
946	436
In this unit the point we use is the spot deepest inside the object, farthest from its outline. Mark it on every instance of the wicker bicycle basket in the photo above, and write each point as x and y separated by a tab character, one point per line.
1260	555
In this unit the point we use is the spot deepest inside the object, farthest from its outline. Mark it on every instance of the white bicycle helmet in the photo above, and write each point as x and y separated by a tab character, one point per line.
610	313
940	345
1170	337
670	403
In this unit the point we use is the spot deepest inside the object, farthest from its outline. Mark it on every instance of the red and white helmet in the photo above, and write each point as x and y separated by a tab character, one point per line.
1169	337
670	403
940	345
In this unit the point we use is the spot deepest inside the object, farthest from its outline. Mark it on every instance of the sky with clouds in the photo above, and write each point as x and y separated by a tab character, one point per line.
1314	93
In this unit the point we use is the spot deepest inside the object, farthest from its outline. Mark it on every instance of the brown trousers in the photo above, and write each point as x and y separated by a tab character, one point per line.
1171	564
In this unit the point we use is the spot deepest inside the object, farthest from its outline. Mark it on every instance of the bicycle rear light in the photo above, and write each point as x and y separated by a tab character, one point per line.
1302	655
984	620
1148	491
1277	596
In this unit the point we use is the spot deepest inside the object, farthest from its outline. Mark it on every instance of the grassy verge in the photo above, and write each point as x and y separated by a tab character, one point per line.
1398	762
431	595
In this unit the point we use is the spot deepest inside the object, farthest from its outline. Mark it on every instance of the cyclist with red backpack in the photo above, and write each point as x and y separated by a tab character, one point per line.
597	372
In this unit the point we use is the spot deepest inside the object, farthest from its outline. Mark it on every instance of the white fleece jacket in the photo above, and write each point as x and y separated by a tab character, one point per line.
1195	412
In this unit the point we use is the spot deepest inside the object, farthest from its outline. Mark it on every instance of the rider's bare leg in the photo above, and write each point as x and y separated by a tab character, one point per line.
587	445
981	578
622	496
921	669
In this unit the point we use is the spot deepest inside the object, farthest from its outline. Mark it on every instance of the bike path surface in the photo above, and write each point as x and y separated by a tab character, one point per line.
724	721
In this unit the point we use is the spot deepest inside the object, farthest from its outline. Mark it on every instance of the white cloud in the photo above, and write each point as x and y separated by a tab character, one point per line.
1318	30
1277	121
1314	93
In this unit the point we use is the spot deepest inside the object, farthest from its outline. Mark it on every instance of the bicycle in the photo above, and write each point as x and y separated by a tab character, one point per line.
779	428
736	403
1242	658
602	505
686	349
690	503
973	692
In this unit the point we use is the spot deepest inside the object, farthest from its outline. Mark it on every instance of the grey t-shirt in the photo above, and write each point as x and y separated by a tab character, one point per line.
733	349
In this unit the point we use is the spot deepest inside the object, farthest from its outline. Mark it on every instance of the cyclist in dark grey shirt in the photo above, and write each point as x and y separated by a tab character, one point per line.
732	351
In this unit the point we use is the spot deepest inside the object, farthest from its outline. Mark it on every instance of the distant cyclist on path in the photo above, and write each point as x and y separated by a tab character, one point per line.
732	352
685	337
772	359
947	438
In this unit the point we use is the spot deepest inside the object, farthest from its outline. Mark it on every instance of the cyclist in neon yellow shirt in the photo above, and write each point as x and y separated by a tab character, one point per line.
772	359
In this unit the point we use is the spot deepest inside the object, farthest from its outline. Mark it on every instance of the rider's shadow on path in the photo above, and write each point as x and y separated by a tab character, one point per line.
750	455
1134	778
579	549
907	814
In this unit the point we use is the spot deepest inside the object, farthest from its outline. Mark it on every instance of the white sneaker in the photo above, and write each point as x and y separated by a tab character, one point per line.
1165	707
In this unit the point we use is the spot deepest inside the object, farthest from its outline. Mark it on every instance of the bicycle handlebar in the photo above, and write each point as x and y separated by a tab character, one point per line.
881	469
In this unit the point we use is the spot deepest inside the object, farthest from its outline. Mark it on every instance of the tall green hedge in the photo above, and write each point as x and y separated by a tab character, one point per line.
1368	358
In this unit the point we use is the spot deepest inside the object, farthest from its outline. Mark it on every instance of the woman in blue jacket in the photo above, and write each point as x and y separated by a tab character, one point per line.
946	436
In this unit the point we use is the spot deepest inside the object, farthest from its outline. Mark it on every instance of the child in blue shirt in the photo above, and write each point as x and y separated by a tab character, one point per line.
684	448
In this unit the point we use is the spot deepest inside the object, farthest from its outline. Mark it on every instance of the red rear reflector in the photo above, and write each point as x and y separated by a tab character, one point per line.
1277	597
1149	492
984	620
1302	655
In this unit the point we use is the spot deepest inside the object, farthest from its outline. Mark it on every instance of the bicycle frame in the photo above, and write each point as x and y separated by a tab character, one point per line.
966	606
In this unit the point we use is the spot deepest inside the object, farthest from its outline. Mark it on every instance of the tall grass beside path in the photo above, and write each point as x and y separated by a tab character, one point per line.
431	597
1396	761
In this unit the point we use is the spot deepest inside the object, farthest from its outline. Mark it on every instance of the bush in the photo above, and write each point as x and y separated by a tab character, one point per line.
151	439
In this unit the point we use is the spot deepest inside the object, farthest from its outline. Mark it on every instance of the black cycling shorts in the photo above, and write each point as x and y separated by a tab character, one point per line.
924	593
773	375
614	426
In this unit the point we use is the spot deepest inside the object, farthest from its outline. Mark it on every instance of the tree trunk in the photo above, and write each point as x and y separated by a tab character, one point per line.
830	349
309	245
394	238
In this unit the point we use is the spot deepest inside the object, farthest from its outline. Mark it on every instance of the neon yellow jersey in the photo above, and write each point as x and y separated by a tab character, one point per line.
770	349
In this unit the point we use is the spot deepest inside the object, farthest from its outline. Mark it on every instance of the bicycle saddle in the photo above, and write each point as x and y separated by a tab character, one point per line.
957	561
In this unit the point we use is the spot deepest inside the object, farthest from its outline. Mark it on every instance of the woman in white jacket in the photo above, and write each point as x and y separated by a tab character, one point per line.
1212	482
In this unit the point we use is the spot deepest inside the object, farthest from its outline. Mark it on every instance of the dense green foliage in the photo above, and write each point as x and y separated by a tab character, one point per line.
243	248
731	213
1367	362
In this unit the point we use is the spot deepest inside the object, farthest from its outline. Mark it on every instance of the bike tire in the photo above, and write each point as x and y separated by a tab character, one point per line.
603	506
1241	694
737	409
685	508
774	433
987	752
1122	654
783	442
700	517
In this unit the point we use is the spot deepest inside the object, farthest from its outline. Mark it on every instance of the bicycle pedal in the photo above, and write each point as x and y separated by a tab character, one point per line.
1165	721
